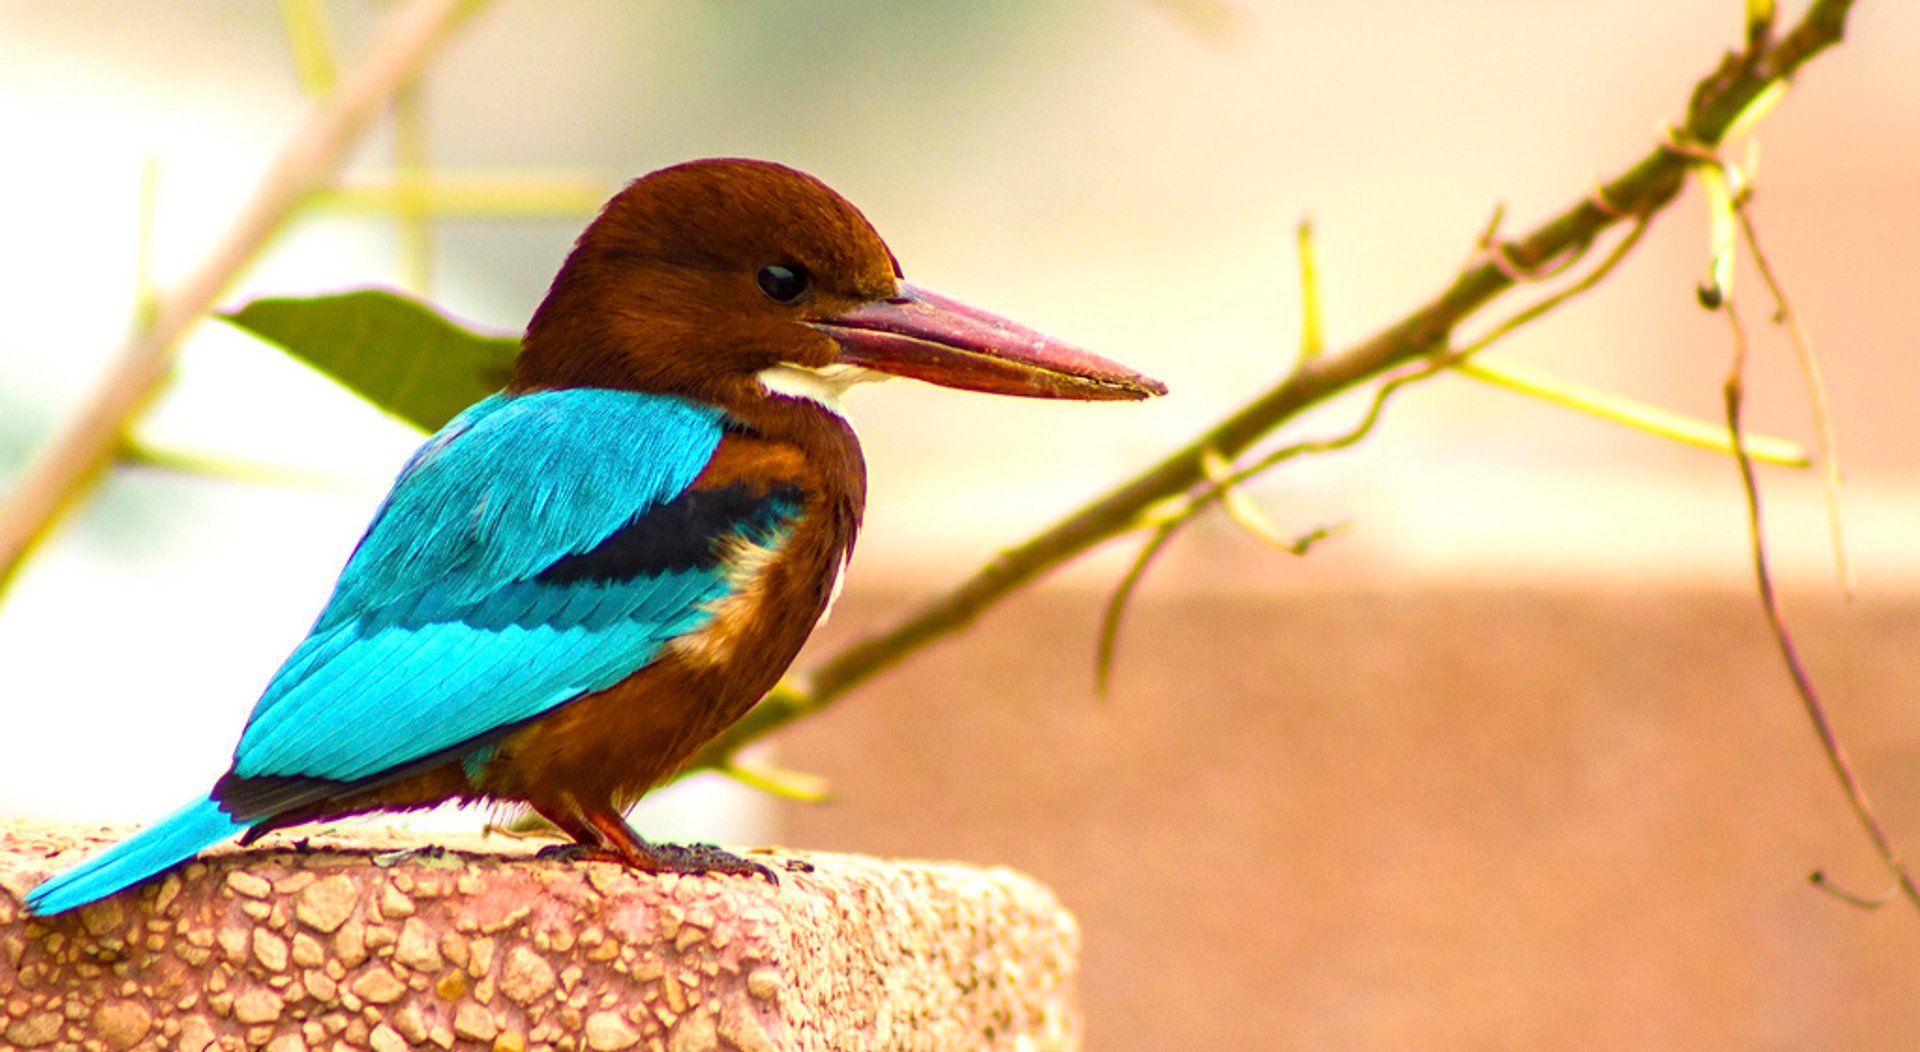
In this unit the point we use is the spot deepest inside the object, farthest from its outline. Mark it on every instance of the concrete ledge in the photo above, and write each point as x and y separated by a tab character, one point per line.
377	941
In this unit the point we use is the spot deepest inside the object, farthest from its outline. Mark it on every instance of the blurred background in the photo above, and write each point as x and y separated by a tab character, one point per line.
1510	761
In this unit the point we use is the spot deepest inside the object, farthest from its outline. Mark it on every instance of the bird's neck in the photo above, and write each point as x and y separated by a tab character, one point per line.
819	434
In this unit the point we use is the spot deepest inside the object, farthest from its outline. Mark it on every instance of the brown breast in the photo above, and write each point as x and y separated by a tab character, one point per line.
619	742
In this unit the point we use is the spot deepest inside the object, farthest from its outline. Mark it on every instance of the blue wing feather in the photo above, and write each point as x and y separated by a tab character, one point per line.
171	840
516	482
439	630
516	565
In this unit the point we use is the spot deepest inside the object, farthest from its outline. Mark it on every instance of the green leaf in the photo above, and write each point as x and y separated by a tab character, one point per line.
396	352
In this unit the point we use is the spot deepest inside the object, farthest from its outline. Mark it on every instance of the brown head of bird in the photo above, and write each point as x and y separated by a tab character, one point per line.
721	280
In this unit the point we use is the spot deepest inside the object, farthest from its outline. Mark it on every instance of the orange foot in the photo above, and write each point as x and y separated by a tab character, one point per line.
601	834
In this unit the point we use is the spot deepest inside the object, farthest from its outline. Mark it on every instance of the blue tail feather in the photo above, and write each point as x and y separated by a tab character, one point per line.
172	840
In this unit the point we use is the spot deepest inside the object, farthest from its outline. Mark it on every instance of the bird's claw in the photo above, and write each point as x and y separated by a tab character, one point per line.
696	859
688	859
576	852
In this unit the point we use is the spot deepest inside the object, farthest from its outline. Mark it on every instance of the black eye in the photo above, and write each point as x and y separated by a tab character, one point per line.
784	284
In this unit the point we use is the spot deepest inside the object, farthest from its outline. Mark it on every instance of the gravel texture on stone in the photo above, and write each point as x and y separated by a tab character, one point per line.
384	941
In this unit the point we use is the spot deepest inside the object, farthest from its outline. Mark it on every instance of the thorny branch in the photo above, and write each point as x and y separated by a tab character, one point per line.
1718	101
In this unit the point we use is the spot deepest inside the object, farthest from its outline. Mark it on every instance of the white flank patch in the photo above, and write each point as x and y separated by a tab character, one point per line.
747	565
839	582
823	386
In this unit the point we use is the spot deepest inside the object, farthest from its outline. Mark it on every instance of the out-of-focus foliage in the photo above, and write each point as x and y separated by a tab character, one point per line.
395	352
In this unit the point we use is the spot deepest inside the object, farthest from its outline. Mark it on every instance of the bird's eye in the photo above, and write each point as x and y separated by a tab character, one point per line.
784	284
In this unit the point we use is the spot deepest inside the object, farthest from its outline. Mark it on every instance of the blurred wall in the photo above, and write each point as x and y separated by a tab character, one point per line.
1434	818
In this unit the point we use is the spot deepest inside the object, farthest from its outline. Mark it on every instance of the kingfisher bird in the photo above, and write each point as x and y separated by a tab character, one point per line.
579	581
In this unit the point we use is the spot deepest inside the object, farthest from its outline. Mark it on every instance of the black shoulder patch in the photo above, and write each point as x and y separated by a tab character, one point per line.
682	534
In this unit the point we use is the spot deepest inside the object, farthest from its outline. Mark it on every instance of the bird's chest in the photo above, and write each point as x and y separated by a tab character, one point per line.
627	738
776	594
779	585
777	574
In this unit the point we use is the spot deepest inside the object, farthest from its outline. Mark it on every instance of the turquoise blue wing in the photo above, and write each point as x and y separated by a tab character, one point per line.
526	556
538	548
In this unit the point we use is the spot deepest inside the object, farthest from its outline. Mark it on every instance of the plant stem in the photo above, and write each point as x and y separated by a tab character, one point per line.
71	461
1645	188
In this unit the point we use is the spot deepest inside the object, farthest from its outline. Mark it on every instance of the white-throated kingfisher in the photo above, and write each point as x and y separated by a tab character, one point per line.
579	581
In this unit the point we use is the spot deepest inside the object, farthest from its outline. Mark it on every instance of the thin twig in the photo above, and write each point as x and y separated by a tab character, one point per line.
507	193
137	453
146	294
1223	484
1122	596
1783	639
1313	333
1448	360
1640	416
1550	303
68	463
1108	645
1116	611
410	164
1819	879
309	41
1816	396
1642	190
779	781
1247	515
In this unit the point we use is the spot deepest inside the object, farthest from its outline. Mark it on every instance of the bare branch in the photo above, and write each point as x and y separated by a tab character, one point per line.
1641	191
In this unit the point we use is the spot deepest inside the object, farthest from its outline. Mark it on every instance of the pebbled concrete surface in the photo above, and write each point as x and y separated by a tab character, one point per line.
388	942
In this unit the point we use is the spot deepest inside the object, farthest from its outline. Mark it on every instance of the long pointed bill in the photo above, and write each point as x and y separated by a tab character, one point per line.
927	336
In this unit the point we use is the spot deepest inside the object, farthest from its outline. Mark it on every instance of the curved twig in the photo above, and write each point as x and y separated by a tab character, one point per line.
1735	397
1816	396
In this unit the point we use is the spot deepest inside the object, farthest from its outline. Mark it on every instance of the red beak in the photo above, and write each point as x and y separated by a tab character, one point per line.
926	336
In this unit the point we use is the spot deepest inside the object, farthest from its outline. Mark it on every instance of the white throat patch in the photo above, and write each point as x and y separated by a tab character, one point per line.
823	386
